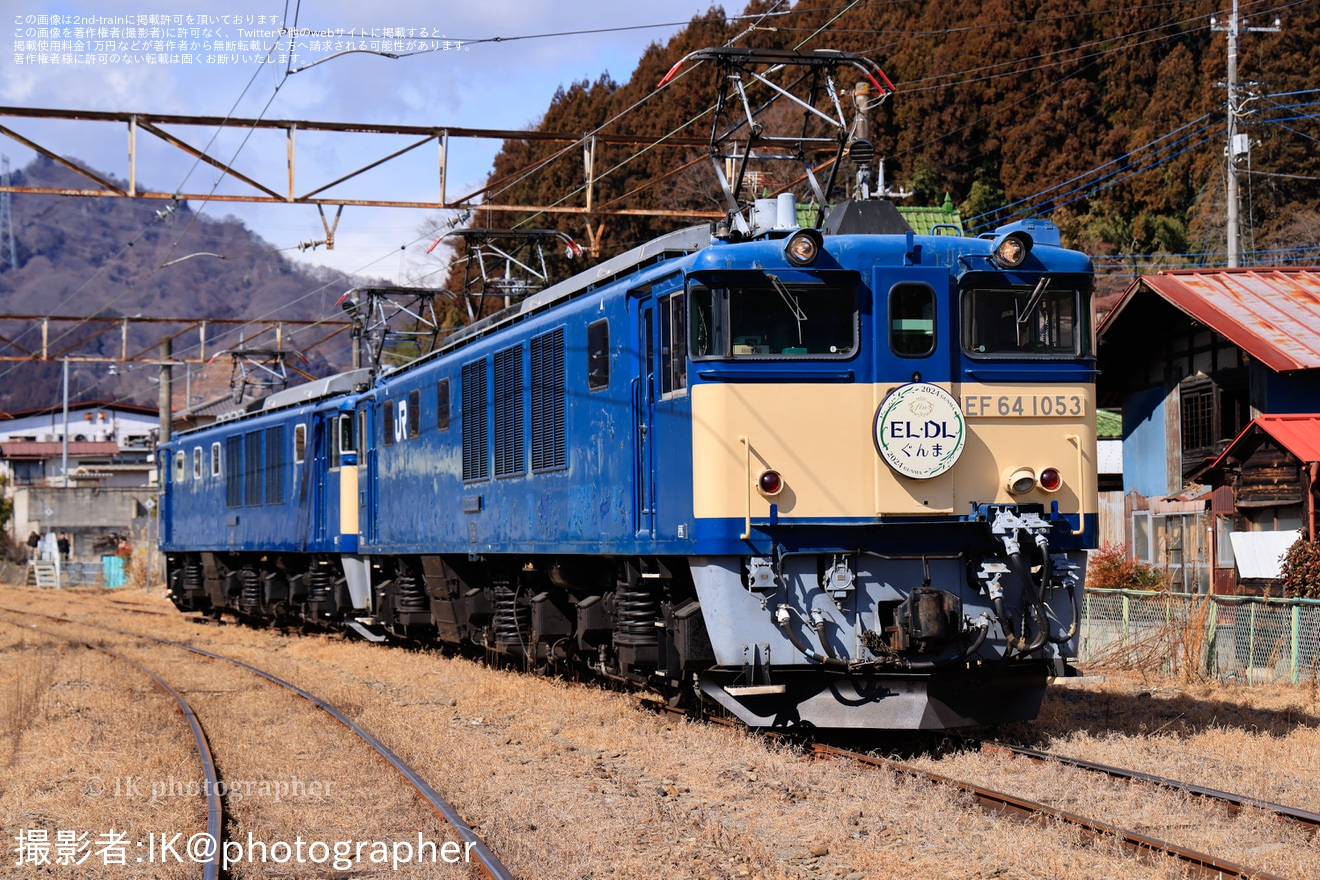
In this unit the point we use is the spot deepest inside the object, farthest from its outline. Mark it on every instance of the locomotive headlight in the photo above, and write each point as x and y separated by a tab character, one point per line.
1051	479
1011	250
803	247
1021	481
770	483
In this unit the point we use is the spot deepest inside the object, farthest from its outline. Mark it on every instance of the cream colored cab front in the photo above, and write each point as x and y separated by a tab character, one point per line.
821	439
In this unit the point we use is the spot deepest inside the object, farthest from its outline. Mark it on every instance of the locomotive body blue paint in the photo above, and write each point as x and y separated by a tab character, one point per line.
665	468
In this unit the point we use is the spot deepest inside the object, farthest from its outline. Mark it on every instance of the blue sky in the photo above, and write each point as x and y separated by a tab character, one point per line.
503	84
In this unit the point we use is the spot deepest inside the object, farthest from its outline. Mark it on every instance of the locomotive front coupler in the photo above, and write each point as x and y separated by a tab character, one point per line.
1011	526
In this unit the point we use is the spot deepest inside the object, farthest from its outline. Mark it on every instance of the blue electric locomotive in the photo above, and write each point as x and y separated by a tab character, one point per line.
835	477
838	480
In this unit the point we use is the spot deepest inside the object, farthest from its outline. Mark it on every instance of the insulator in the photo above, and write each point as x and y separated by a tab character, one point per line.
636	611
409	595
320	583
512	621
251	595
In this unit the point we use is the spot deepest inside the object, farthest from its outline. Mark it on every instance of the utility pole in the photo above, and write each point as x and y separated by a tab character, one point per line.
64	450
1238	144
166	398
7	246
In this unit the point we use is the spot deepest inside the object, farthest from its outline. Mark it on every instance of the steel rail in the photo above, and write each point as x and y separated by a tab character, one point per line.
214	810
1234	802
490	864
1203	864
1000	803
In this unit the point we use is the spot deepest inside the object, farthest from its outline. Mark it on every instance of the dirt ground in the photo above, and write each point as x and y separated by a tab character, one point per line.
566	781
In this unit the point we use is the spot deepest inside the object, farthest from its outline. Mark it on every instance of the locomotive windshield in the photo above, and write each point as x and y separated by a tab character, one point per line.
1038	321
770	318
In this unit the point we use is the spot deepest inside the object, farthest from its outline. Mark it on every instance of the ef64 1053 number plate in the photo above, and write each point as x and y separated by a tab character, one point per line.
1029	406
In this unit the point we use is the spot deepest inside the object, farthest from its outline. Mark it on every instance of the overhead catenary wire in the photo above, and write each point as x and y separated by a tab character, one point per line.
1025	201
104	266
818	30
1099	184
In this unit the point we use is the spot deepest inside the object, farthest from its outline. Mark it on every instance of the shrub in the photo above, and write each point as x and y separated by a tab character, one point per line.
1301	570
1111	569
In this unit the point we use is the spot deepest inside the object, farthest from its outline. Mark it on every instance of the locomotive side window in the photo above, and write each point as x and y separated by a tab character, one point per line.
180	467
387	423
598	355
442	405
215	459
768	318
1023	321
673	344
197	462
912	320
299	444
414	414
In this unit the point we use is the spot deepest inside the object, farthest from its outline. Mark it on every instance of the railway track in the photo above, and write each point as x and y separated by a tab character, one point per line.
1046	811
486	861
214	808
1234	803
1198	864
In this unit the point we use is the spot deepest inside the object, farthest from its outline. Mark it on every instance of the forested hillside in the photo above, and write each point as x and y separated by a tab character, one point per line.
1106	117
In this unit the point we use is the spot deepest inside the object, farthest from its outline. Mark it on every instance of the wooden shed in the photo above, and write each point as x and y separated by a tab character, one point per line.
1271	470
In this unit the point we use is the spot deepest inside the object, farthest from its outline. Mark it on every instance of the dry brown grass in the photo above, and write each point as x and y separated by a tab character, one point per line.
573	782
1177	647
78	725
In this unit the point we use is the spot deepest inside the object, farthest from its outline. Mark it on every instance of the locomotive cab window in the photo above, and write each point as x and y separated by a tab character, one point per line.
912	320
414	414
673	345
180	467
442	405
299	443
769	318
598	355
1036	321
344	441
347	439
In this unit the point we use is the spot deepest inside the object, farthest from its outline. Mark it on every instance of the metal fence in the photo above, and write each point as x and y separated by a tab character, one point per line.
1234	638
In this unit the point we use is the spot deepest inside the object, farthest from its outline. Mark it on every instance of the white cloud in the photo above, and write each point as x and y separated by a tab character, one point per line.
488	85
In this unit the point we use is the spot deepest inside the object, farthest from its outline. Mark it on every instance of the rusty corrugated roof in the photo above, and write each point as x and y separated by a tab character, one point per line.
1272	314
1299	433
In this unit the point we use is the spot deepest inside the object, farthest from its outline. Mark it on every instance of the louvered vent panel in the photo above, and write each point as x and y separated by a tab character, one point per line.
548	447
510	453
476	454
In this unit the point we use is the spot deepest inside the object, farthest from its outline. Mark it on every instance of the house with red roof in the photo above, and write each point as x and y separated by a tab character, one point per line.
1196	359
